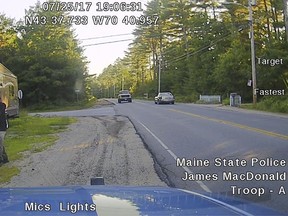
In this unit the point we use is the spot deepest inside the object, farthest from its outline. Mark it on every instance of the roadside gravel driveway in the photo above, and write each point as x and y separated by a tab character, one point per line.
94	146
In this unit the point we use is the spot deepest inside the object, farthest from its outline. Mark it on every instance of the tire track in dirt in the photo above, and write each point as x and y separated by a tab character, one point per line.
106	146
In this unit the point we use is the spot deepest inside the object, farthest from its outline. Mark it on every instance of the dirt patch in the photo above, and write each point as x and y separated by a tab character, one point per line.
92	147
101	103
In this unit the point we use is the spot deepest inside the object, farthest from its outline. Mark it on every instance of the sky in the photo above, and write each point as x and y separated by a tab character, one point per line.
100	56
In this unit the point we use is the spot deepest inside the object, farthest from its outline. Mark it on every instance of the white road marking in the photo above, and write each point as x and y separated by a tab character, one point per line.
201	184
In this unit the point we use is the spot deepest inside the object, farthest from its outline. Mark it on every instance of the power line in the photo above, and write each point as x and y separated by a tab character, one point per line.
183	56
95	44
106	36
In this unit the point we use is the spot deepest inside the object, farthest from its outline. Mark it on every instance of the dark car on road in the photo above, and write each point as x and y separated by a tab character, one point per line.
124	95
164	98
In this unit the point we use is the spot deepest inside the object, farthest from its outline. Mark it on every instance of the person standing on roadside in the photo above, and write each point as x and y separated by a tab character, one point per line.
3	128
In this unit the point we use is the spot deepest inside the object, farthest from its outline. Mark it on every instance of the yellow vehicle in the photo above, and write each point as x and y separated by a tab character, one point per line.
9	91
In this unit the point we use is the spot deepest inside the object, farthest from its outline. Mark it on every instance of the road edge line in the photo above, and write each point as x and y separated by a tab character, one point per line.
200	183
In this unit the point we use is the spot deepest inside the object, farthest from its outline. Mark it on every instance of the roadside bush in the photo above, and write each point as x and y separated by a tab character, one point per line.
274	104
226	101
186	98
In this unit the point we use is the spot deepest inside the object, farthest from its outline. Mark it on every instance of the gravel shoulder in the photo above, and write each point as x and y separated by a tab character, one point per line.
106	146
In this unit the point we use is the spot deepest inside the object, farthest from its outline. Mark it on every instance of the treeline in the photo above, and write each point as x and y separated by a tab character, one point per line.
46	58
202	47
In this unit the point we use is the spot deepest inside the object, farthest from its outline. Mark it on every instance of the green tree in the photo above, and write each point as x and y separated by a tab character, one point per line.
49	62
8	37
205	48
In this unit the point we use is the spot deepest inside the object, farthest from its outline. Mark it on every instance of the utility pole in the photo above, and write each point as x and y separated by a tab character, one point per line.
250	3
285	2
252	42
159	73
122	84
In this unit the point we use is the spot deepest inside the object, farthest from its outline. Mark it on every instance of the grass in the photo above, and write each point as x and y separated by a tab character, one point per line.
62	106
30	134
271	104
6	173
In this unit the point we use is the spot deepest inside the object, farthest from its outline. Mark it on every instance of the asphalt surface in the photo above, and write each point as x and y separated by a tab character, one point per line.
209	135
217	142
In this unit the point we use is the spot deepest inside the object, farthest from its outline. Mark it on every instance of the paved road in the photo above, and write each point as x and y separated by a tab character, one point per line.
217	145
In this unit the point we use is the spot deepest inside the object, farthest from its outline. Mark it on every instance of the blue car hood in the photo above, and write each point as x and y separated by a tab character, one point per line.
120	201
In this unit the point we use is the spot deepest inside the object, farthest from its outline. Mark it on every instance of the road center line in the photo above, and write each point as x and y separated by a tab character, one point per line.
265	132
201	184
